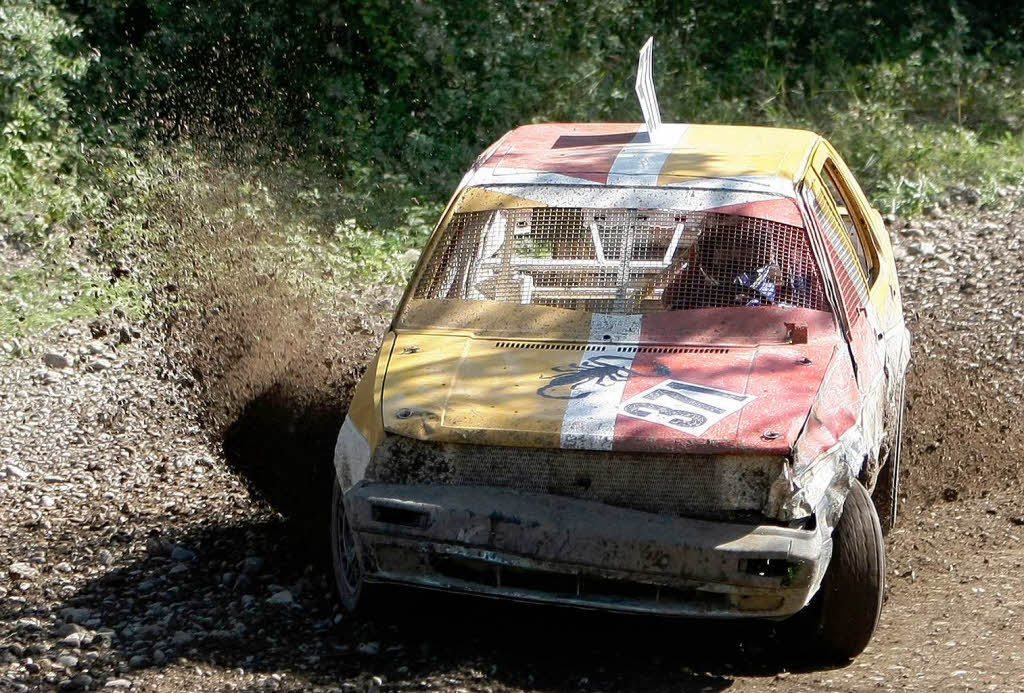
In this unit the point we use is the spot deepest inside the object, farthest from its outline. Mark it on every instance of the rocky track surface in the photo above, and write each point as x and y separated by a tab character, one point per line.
137	552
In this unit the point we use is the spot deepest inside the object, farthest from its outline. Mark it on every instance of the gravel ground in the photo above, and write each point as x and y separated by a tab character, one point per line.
137	549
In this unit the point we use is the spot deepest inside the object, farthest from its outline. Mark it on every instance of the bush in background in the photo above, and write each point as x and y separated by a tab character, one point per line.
339	126
40	146
416	89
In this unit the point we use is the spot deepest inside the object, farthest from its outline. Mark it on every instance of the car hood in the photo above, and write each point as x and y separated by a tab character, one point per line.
701	399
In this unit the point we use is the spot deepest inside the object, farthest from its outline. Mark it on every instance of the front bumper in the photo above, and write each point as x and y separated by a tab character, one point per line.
544	548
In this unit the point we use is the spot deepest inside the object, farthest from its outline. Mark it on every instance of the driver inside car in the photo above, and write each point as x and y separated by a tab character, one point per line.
727	266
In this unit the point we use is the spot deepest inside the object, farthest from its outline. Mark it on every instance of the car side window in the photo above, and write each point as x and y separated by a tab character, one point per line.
848	279
842	201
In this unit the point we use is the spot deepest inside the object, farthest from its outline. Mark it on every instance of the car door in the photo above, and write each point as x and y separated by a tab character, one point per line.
866	229
854	257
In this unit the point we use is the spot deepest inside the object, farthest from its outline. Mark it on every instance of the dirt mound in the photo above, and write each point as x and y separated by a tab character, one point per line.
278	369
960	437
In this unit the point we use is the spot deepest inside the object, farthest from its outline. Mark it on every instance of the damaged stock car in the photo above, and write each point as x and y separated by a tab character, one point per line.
649	368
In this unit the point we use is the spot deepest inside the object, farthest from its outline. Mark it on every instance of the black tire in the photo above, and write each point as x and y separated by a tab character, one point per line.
852	591
345	557
886	495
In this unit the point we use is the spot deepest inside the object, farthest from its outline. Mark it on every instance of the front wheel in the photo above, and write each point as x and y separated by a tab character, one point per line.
348	569
852	591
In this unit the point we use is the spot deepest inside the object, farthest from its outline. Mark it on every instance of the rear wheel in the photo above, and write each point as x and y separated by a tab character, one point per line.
348	568
851	593
887	487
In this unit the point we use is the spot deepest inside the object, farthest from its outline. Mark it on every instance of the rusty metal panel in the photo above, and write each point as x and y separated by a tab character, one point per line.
542	547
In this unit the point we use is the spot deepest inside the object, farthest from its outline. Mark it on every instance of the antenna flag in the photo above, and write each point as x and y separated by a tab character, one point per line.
645	89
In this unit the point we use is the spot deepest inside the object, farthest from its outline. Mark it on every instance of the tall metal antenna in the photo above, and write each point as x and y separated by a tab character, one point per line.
645	89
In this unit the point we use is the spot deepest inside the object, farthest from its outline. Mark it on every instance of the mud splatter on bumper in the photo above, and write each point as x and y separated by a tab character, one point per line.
538	547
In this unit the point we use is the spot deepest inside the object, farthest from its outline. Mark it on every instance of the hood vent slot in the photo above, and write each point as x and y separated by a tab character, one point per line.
550	346
575	346
671	350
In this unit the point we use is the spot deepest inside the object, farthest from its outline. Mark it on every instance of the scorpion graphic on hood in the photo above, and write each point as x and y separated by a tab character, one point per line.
598	370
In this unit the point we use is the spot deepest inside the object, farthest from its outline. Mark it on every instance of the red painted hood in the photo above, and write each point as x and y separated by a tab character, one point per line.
779	384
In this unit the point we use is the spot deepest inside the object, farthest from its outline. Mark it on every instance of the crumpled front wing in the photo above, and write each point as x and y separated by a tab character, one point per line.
544	548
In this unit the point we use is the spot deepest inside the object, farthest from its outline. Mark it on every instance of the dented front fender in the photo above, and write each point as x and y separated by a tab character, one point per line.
363	428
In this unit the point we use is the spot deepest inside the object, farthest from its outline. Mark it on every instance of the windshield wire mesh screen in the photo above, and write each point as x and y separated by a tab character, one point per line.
622	260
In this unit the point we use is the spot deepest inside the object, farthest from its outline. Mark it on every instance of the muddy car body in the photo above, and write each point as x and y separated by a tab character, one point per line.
646	374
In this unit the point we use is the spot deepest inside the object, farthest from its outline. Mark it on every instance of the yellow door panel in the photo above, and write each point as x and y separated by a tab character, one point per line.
883	290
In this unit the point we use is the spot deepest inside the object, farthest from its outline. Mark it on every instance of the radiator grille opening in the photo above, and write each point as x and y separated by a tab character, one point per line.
723	487
400	516
538	581
581	346
548	346
671	350
564	585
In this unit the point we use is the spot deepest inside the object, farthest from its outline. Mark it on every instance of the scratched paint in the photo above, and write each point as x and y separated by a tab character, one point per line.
683	406
791	428
589	421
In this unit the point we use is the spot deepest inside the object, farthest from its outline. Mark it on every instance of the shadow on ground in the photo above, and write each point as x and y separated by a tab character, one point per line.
282	446
250	599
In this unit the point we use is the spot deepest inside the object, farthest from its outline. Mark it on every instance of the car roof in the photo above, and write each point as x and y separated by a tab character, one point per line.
625	154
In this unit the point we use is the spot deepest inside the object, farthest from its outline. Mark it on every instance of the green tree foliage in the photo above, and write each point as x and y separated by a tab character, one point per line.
920	95
421	86
337	127
38	140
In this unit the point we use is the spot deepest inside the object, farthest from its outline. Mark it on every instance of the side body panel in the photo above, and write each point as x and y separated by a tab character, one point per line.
884	291
363	428
879	341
